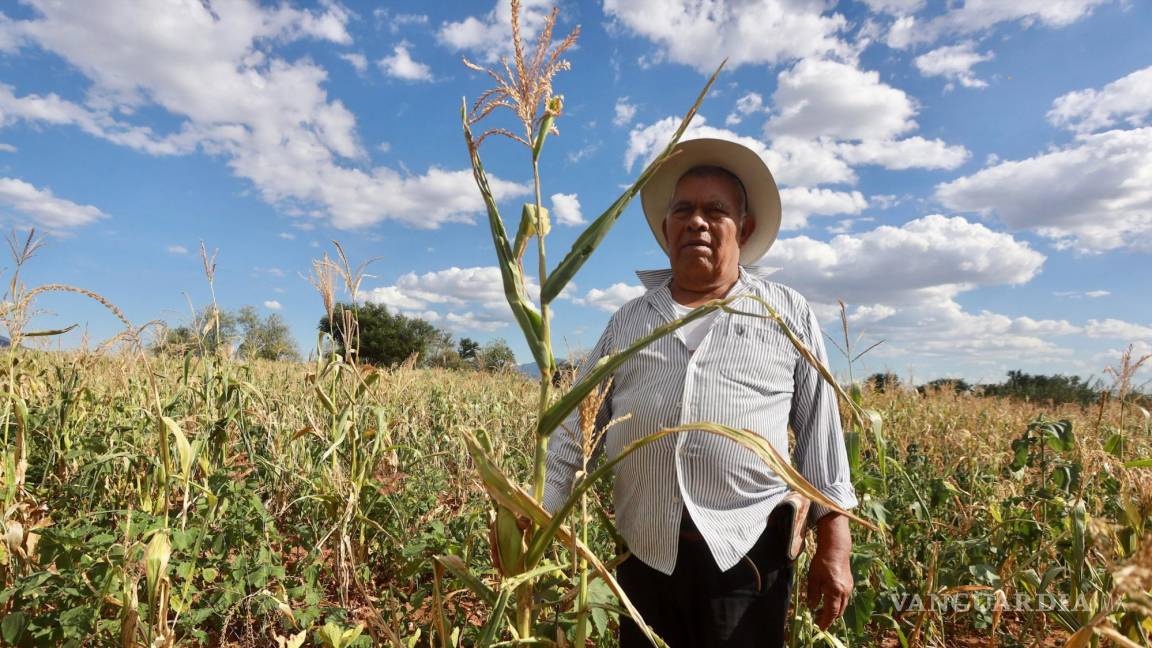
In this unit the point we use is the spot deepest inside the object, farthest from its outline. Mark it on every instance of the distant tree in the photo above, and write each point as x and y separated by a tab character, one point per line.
243	331
882	382
958	385
496	355
1058	388
468	348
384	338
266	338
441	352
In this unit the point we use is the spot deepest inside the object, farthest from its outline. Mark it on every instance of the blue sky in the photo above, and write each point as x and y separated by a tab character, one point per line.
971	178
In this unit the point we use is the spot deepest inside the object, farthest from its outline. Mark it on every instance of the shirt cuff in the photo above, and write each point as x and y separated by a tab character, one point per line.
841	493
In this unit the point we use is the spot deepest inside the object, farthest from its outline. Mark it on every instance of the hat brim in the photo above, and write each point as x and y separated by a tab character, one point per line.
763	196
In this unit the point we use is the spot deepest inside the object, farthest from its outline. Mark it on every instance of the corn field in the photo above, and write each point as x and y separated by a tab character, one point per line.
276	504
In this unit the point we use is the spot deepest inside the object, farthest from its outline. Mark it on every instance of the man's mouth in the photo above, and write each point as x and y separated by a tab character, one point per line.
696	245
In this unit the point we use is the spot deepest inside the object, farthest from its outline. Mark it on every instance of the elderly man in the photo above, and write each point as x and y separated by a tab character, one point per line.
710	564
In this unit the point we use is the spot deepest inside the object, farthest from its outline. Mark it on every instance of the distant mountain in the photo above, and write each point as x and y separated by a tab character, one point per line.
530	370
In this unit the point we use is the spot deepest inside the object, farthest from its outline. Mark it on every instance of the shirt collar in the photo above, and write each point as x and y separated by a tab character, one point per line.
653	279
658	283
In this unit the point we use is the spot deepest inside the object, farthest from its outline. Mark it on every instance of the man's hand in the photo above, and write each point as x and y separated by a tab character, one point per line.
830	573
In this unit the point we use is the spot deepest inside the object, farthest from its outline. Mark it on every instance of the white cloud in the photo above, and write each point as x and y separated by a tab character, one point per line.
977	15
612	297
954	63
287	236
219	76
178	250
804	162
490	36
895	7
397	21
7	148
1093	195
625	112
749	104
1127	99
566	209
798	203
1117	330
909	153
471	322
818	98
357	61
893	265
24	201
701	34
401	65
272	304
902	285
1076	294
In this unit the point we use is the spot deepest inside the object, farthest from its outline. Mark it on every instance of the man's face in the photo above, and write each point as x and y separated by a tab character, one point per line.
704	228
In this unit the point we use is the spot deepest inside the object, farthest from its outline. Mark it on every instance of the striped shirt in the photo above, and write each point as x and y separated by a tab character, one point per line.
745	374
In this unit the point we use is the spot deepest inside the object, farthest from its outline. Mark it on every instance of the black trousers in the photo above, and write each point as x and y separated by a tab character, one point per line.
699	606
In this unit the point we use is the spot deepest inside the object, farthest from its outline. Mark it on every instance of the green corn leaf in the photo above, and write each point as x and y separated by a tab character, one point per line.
590	239
455	565
556	414
517	500
531	324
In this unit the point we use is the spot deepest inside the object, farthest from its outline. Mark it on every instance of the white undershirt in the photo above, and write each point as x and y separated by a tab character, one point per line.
692	333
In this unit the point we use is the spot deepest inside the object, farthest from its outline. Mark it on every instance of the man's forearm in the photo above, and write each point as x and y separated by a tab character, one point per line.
833	535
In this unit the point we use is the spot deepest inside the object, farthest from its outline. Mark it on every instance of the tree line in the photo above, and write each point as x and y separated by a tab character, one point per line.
382	338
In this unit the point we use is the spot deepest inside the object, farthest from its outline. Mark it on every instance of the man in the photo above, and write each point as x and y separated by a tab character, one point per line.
709	563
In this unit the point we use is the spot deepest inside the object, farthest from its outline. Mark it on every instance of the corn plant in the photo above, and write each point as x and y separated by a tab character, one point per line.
525	87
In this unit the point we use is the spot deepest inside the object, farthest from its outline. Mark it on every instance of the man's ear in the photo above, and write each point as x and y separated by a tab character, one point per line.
748	227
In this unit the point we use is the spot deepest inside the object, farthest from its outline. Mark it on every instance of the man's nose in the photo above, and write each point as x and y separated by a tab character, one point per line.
696	221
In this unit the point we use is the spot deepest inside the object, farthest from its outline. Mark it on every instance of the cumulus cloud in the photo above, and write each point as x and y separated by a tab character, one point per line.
25	202
909	153
902	285
1093	195
954	63
701	34
465	299
272	304
490	35
804	162
610	298
178	250
977	15
749	104
1127	99
799	203
820	98
1117	330
218	74
358	61
566	209
401	65
894	265
625	112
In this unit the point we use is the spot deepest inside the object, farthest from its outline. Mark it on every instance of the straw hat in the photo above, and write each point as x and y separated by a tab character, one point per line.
763	197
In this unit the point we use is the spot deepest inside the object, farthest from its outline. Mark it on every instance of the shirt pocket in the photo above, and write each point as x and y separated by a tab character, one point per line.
757	357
